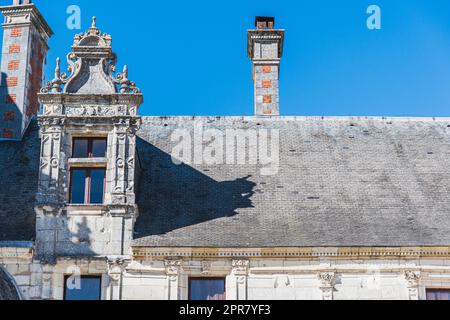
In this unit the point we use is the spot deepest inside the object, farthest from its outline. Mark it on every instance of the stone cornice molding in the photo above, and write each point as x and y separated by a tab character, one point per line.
35	16
148	253
135	99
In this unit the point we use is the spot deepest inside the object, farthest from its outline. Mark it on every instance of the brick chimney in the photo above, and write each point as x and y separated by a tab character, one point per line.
265	48
25	38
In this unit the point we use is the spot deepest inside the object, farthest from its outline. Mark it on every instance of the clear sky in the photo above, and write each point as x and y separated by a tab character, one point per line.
189	57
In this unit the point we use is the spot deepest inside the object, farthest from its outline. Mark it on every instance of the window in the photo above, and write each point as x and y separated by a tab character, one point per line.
85	288
89	148
87	177
438	294
87	185
207	289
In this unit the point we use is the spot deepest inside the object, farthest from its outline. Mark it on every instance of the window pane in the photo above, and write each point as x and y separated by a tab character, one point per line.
80	148
438	294
99	148
211	289
97	186
89	288
78	186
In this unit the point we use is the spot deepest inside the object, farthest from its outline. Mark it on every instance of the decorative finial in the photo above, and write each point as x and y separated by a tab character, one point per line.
94	22
58	68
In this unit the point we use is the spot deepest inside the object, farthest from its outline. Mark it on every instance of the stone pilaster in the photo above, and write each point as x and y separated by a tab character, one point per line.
412	282
238	280
327	283
116	269
173	270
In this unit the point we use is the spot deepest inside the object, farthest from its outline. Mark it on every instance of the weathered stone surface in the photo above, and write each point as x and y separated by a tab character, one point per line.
7	289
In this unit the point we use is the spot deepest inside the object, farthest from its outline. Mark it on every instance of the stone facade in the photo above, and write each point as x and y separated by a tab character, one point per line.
358	207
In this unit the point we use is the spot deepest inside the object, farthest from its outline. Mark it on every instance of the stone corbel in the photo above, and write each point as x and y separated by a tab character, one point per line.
412	280
327	284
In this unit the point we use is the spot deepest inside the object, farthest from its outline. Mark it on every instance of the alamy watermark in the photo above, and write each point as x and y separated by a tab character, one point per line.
374	19
73	21
210	146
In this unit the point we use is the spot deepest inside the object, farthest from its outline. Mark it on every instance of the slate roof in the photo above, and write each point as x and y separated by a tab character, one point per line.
342	182
19	171
7	290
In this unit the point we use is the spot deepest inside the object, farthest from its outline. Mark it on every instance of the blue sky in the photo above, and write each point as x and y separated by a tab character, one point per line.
189	57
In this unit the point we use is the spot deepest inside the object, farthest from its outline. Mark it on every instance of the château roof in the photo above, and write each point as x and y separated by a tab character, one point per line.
341	182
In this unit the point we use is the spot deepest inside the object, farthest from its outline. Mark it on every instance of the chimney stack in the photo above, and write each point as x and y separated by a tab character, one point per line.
265	48
25	38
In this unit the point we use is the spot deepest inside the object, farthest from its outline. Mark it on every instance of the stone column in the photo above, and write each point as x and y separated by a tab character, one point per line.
412	280
173	268
327	282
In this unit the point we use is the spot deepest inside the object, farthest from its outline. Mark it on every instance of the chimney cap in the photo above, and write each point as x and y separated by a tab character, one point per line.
264	22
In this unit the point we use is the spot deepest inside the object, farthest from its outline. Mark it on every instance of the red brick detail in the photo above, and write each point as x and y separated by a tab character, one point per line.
267	99
12	81
14	65
16	32
14	48
8	133
11	98
267	111
267	69
35	80
267	83
9	116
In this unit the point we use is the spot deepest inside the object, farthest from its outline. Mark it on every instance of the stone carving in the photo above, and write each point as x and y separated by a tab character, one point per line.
91	67
90	111
172	269
327	283
206	267
240	266
412	279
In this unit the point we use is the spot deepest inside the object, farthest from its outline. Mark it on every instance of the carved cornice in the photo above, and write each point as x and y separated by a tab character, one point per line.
131	100
142	253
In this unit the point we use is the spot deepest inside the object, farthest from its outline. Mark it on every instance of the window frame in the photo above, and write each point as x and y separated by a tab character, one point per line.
90	146
90	276
430	290
191	279
88	185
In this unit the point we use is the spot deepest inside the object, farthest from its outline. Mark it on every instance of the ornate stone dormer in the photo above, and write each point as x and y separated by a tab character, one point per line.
89	108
